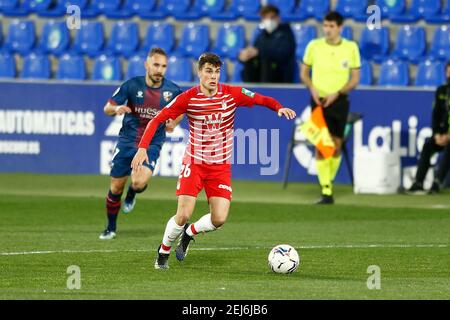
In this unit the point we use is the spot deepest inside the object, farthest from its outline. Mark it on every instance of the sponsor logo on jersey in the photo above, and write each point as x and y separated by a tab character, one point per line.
345	64
223	186
213	121
140	94
146	112
248	93
224	104
167	95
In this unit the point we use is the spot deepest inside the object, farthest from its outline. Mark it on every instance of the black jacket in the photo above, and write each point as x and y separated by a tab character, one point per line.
277	49
440	121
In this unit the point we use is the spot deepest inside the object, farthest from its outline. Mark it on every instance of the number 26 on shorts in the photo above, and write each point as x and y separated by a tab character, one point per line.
185	171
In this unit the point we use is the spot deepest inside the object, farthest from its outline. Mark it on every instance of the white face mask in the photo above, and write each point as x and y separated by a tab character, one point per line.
269	25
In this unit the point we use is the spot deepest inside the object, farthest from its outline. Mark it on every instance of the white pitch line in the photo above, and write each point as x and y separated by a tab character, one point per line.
349	246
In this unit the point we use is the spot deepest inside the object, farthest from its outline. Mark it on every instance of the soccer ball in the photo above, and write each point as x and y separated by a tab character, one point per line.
283	259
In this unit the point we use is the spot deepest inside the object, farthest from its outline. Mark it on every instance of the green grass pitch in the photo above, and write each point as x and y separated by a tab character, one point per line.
50	222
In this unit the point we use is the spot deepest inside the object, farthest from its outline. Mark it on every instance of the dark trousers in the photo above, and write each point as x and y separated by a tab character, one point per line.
429	149
262	70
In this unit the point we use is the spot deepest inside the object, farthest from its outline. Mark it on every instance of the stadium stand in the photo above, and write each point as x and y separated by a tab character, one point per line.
54	39
107	68
135	66
71	67
7	65
394	73
430	73
413	31
179	69
366	73
36	66
21	36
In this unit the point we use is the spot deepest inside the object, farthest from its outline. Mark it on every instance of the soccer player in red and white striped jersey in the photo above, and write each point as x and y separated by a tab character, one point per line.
210	108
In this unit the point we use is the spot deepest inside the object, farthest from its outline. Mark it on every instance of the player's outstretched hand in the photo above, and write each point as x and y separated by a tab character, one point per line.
288	113
120	110
139	158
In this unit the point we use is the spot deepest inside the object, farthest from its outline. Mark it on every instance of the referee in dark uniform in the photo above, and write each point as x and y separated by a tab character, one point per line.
335	64
440	141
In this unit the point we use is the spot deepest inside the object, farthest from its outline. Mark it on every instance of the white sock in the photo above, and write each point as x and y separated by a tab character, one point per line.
173	231
204	224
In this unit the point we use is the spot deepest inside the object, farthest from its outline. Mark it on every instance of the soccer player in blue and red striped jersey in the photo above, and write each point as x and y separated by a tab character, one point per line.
139	99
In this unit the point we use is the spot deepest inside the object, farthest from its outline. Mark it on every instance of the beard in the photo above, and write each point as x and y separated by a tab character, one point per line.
156	78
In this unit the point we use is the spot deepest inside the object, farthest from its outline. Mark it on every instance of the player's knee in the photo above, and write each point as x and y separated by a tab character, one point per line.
116	188
139	184
182	216
218	221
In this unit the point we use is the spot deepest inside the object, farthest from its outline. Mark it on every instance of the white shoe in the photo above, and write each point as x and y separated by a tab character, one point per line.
107	235
129	206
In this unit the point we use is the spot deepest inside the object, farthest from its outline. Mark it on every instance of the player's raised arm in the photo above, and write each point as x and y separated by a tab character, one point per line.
172	111
116	104
248	98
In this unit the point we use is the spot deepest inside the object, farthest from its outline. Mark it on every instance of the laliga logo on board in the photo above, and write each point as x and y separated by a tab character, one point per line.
379	138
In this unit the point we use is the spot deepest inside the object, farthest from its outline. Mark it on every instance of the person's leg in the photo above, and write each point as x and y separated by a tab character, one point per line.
139	183
444	166
217	185
428	150
113	202
337	157
140	179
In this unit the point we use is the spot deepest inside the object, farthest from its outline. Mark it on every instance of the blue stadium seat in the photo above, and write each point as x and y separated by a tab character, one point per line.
223	72
92	9
180	9
13	8
194	40
71	67
55	38
124	39
394	73
238	67
410	44
442	17
135	66
21	36
248	9
303	35
179	69
130	8
230	40
419	9
59	8
159	35
37	5
286	7
374	43
1	35
255	34
36	66
202	8
391	8
430	74
366	73
149	9
440	46
7	65
107	68
229	12
347	32
89	39
306	9
351	8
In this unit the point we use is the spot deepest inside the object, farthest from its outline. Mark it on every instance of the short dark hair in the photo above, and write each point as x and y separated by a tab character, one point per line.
157	50
211	58
269	9
336	17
